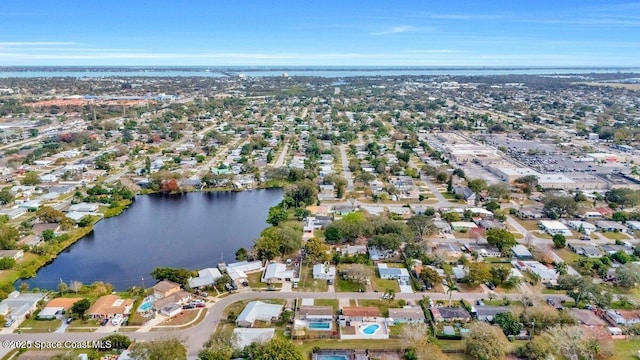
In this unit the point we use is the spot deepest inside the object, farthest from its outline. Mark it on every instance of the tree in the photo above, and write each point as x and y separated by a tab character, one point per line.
276	348
418	347
48	234
31	178
502	239
267	248
429	276
7	263
577	342
421	226
177	275
559	241
486	342
509	323
116	342
459	173
340	184
477	185
451	216
315	250
477	274
75	286
170	349
80	307
5	197
628	275
499	274
386	241
50	215
578	288
499	191
277	215
242	254
332	234
220	346
85	221
623	197
359	273
537	349
562	268
8	237
170	185
558	206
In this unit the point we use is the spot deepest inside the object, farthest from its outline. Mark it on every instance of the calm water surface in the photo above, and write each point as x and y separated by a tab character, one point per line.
190	230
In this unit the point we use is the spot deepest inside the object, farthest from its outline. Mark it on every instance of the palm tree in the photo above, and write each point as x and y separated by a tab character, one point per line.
451	287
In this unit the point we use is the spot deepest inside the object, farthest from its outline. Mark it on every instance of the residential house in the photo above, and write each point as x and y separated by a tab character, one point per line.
530	213
521	252
582	226
388	273
545	273
488	313
443	226
611	249
376	254
610	226
165	288
30	240
623	317
56	306
484	250
360	313
167	304
18	306
407	315
316	313
238	271
84	208
450	314
459	272
38	229
463	225
468	195
276	272
12	254
258	311
324	272
553	227
632	226
313	223
490	224
449	249
108	306
13	213
206	277
350	250
585	249
586	317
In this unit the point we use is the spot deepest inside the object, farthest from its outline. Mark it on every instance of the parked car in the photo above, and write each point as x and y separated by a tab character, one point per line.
200	305
104	322
188	306
9	322
69	320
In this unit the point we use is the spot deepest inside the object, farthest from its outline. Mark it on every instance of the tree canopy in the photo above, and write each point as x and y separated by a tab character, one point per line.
486	342
170	349
502	239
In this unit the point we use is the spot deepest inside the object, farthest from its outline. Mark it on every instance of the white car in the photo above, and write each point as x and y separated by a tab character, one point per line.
117	319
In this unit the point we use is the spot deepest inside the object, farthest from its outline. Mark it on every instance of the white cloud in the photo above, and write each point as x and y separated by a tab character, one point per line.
403	29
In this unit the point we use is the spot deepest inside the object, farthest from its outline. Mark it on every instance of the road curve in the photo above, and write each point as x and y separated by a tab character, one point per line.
195	336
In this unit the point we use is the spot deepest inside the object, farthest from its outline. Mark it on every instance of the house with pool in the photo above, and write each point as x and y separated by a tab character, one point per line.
362	322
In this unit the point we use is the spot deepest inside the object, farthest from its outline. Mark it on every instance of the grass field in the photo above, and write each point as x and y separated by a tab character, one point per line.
626	349
615	235
308	283
383	285
348	286
37	326
567	255
327	302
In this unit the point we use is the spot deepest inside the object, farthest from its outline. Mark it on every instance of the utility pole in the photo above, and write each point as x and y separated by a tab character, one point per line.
60	286
142	278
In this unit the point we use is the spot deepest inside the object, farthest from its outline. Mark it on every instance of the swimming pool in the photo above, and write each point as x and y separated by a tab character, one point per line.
332	357
319	325
370	329
145	306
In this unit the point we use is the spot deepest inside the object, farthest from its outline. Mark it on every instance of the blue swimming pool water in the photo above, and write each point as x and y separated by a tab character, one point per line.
370	329
144	306
332	357
319	326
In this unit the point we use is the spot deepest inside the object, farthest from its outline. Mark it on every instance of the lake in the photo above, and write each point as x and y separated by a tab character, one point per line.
191	230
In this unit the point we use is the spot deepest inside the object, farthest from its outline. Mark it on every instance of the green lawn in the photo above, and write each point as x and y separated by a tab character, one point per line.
383	305
383	284
308	283
531	225
615	235
37	326
306	347
626	349
348	286
254	280
327	302
567	255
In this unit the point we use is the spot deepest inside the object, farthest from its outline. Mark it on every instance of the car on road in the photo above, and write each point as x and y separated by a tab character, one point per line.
69	320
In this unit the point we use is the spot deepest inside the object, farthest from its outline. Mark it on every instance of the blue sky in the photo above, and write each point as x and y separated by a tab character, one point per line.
332	33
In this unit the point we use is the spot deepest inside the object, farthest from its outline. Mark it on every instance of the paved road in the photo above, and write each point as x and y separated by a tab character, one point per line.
283	154
345	167
195	337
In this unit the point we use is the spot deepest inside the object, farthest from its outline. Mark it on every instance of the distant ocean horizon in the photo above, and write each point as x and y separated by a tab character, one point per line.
312	71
